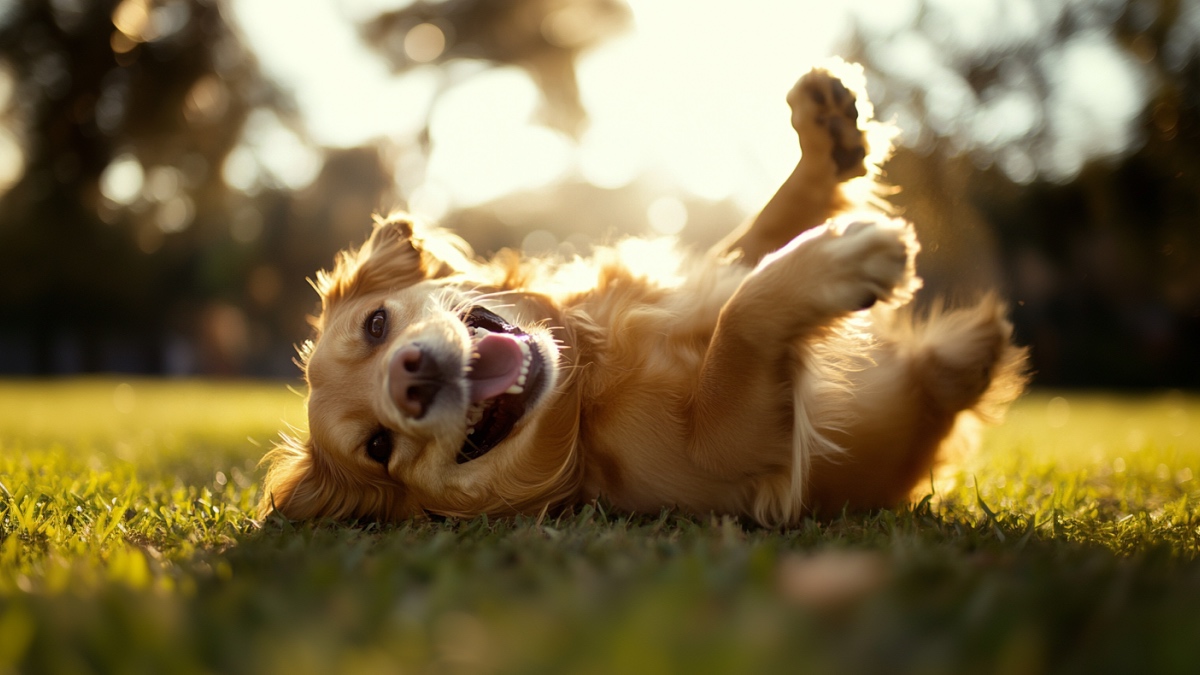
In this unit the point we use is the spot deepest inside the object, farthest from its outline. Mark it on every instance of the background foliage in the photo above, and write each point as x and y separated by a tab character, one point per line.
162	197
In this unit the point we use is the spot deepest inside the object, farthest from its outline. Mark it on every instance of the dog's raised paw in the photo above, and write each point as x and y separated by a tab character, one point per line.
872	260
825	115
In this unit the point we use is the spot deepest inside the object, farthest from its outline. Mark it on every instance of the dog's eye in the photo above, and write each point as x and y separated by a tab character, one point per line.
380	447
376	325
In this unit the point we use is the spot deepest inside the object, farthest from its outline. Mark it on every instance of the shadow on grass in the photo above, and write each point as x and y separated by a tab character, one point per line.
150	563
601	593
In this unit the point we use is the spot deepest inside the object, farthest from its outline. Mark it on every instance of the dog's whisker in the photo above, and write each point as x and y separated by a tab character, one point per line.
475	296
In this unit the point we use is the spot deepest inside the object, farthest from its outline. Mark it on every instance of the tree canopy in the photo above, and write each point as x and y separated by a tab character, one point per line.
162	197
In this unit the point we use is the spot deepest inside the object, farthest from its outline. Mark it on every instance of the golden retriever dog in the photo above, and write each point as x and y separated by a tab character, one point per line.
778	376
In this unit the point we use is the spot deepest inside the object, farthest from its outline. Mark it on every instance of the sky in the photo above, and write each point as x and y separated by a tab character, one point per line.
692	95
700	102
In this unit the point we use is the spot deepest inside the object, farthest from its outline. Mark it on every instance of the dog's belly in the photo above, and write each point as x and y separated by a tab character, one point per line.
635	447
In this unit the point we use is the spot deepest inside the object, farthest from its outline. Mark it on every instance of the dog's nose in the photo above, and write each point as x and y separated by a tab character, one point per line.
414	379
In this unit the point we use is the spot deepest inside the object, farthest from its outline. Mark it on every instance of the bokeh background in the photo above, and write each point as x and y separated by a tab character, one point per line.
171	171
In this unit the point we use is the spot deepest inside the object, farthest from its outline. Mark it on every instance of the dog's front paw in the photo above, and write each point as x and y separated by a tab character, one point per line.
870	260
825	115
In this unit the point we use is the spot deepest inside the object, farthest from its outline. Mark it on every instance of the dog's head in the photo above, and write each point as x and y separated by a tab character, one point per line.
434	387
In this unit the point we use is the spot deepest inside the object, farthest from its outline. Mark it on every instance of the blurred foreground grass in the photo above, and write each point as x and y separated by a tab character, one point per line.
1070	543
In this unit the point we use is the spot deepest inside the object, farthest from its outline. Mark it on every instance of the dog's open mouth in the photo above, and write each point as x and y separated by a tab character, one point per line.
504	374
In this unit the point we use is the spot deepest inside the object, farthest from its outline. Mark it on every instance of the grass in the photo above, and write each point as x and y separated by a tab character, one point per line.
1070	543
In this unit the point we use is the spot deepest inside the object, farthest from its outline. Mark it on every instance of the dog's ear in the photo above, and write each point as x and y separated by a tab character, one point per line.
398	254
293	487
301	485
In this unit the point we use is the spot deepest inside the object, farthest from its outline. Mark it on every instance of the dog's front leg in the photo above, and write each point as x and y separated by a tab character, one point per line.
744	393
825	115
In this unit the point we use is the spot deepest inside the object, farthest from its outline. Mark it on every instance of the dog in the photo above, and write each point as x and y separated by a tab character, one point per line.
782	375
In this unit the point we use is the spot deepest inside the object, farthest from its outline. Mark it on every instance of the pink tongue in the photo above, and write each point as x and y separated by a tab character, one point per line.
497	367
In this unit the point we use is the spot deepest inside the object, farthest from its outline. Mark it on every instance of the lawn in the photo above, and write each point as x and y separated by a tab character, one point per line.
1069	543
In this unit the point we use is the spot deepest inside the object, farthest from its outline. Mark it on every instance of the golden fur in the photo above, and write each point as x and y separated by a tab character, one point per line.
748	381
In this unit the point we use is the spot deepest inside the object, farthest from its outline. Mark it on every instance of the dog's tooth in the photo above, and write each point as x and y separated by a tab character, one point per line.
527	357
474	414
521	380
515	389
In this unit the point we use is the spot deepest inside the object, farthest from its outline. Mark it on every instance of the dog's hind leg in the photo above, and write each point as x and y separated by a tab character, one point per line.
834	149
905	407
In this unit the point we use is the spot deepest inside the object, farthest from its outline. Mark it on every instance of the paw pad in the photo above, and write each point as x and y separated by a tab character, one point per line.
825	114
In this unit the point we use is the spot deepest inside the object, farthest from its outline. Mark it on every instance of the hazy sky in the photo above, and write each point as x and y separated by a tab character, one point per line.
692	94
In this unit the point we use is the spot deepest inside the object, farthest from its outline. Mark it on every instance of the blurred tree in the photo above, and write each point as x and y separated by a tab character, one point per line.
164	198
544	37
151	218
1092	202
127	111
165	201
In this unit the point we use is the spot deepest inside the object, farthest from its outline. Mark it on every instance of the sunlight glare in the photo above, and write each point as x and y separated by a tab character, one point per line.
1096	95
667	215
696	103
424	42
569	26
121	181
539	242
606	159
1007	117
652	258
485	144
702	101
887	17
207	100
365	10
429	201
12	157
345	92
239	170
12	161
8	85
283	156
132	18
